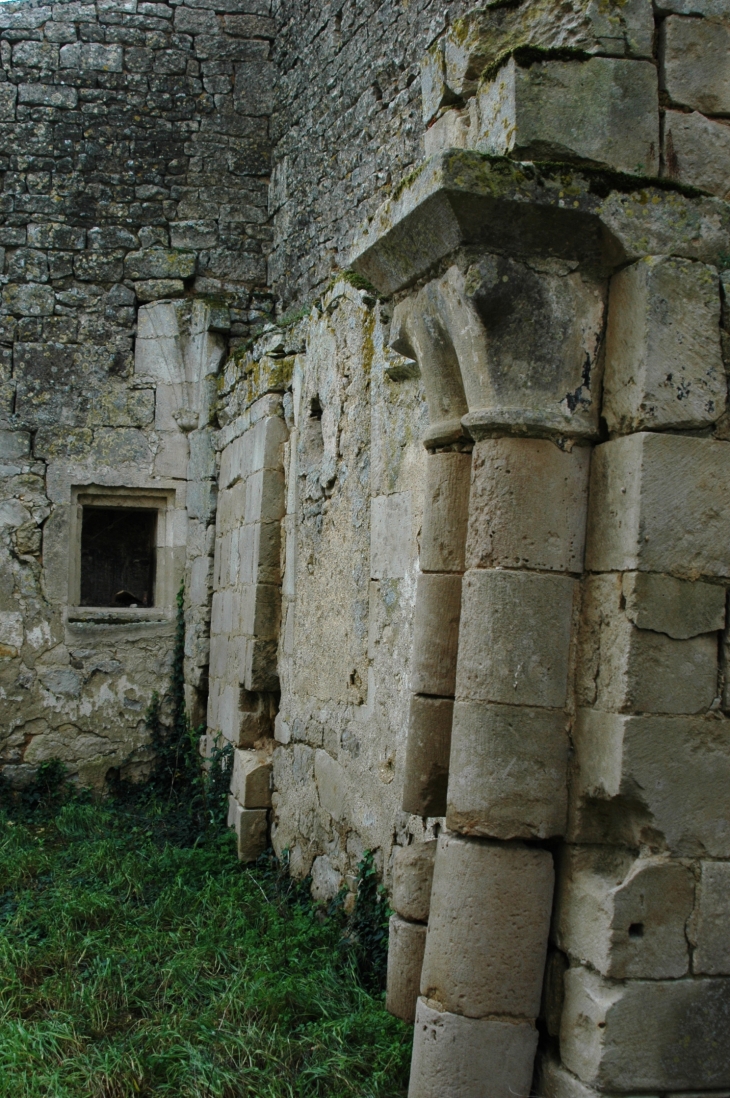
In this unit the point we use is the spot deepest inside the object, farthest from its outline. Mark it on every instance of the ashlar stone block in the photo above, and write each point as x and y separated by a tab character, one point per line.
658	782
554	1081
697	151
515	636
622	668
436	634
675	607
390	536
624	917
427	755
412	880
660	503
445	512
406	943
603	112
695	63
483	35
711	918
507	771
449	131
251	779
646	1035
528	505
250	825
457	1057
487	928
663	356
332	784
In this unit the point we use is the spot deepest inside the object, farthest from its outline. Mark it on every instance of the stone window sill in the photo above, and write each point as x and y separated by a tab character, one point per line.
111	615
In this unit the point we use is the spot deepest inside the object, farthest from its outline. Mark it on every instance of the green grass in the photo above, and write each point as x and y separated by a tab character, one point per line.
132	966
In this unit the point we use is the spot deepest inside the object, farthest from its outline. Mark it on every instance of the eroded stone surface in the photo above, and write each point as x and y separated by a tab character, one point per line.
453	1055
625	918
663	360
528	505
708	928
660	503
406	943
695	70
412	879
490	910
514	639
602	112
507	771
653	781
697	151
646	1035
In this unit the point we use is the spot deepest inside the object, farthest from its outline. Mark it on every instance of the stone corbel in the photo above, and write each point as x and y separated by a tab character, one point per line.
179	348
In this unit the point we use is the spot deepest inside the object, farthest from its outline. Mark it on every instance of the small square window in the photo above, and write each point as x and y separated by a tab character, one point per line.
118	556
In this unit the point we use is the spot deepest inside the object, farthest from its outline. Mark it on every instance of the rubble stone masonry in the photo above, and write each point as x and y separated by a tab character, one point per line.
409	323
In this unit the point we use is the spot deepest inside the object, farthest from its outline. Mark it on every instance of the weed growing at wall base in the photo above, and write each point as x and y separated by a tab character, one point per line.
131	966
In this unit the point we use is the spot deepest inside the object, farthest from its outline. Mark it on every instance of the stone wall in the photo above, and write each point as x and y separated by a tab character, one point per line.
569	327
346	125
455	536
134	160
322	425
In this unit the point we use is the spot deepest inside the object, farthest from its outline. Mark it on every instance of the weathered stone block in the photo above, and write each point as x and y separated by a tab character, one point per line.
406	943
660	503
31	299
695	63
507	771
603	112
48	95
159	263
8	94
14	445
412	879
528	505
554	1081
155	289
708	929
646	1035
332	784
622	668
436	634
625	918
434	93
261	668
456	1057
654	781
663	357
487	928
391	536
445	512
427	755
265	499
697	151
675	607
515	636
92	55
482	37
251	779
171	460
260	610
250	825
450	131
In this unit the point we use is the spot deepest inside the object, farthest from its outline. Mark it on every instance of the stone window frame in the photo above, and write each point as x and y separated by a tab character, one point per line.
161	500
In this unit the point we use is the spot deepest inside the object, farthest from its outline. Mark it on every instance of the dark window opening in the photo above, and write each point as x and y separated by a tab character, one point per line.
636	930
118	557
